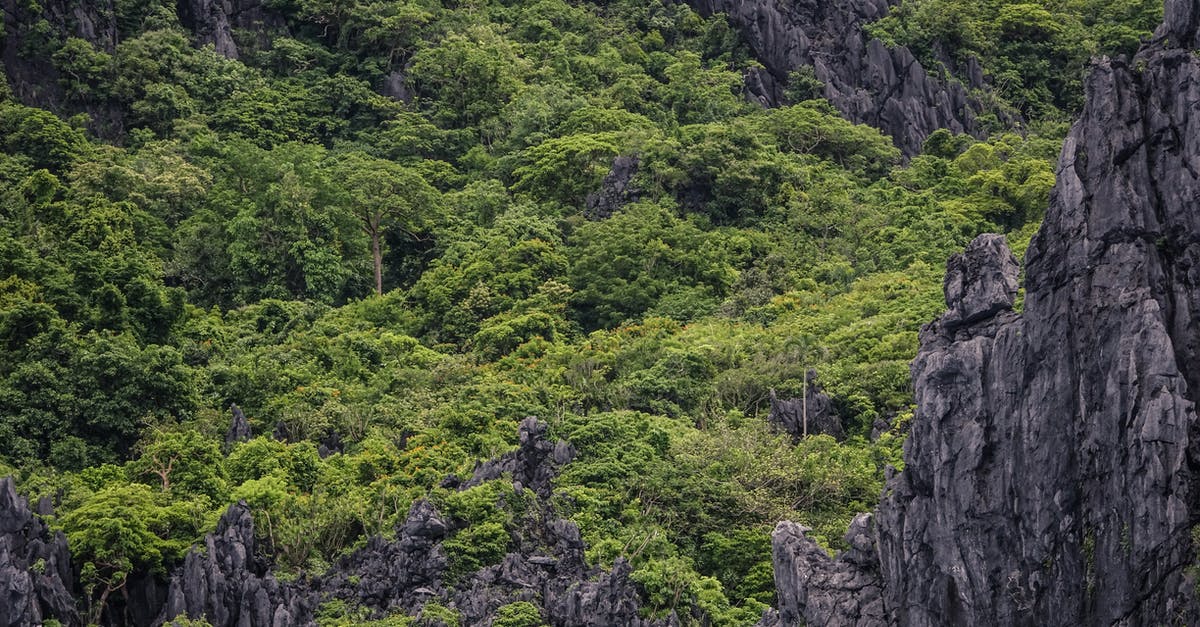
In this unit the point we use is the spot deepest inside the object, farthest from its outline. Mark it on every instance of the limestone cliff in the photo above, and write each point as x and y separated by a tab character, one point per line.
36	579
1050	472
864	79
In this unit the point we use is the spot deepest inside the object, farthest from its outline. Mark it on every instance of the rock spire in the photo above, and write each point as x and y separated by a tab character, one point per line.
1050	475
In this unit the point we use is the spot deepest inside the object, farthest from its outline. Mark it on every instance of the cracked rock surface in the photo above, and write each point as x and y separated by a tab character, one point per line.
36	578
867	81
228	583
1050	471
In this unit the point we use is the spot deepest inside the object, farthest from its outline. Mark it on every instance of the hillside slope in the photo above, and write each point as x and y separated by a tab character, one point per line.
412	312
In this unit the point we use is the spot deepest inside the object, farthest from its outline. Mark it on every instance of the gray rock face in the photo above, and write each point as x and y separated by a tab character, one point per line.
36	580
229	584
210	22
403	574
812	413
981	282
395	86
213	22
864	79
546	565
239	427
534	465
616	190
1050	472
556	579
840	592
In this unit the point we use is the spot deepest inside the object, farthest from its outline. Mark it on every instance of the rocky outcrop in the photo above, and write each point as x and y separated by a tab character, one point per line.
1050	471
864	79
535	463
402	574
239	427
228	583
981	282
846	591
214	22
36	579
811	414
616	190
548	569
546	565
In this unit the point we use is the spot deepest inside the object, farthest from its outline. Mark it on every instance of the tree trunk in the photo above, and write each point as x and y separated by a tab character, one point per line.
804	405
97	611
378	258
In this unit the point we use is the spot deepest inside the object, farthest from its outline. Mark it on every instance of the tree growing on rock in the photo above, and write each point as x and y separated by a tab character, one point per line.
111	535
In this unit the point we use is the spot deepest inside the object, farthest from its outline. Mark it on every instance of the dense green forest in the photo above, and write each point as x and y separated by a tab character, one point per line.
401	280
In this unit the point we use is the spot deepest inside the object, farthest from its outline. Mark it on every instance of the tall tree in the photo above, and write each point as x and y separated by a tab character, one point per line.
384	195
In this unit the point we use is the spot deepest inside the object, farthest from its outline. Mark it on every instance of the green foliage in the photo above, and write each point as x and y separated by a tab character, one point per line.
519	614
803	85
401	278
51	379
1035	52
40	136
435	615
85	69
517	268
484	515
671	585
624	265
182	462
294	465
469	77
566	168
119	529
739	559
814	127
335	613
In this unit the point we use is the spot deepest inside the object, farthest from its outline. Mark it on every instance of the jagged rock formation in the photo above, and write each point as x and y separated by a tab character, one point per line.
533	465
231	585
545	567
330	444
811	414
616	190
239	427
36	579
403	574
847	591
213	22
1050	472
864	79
